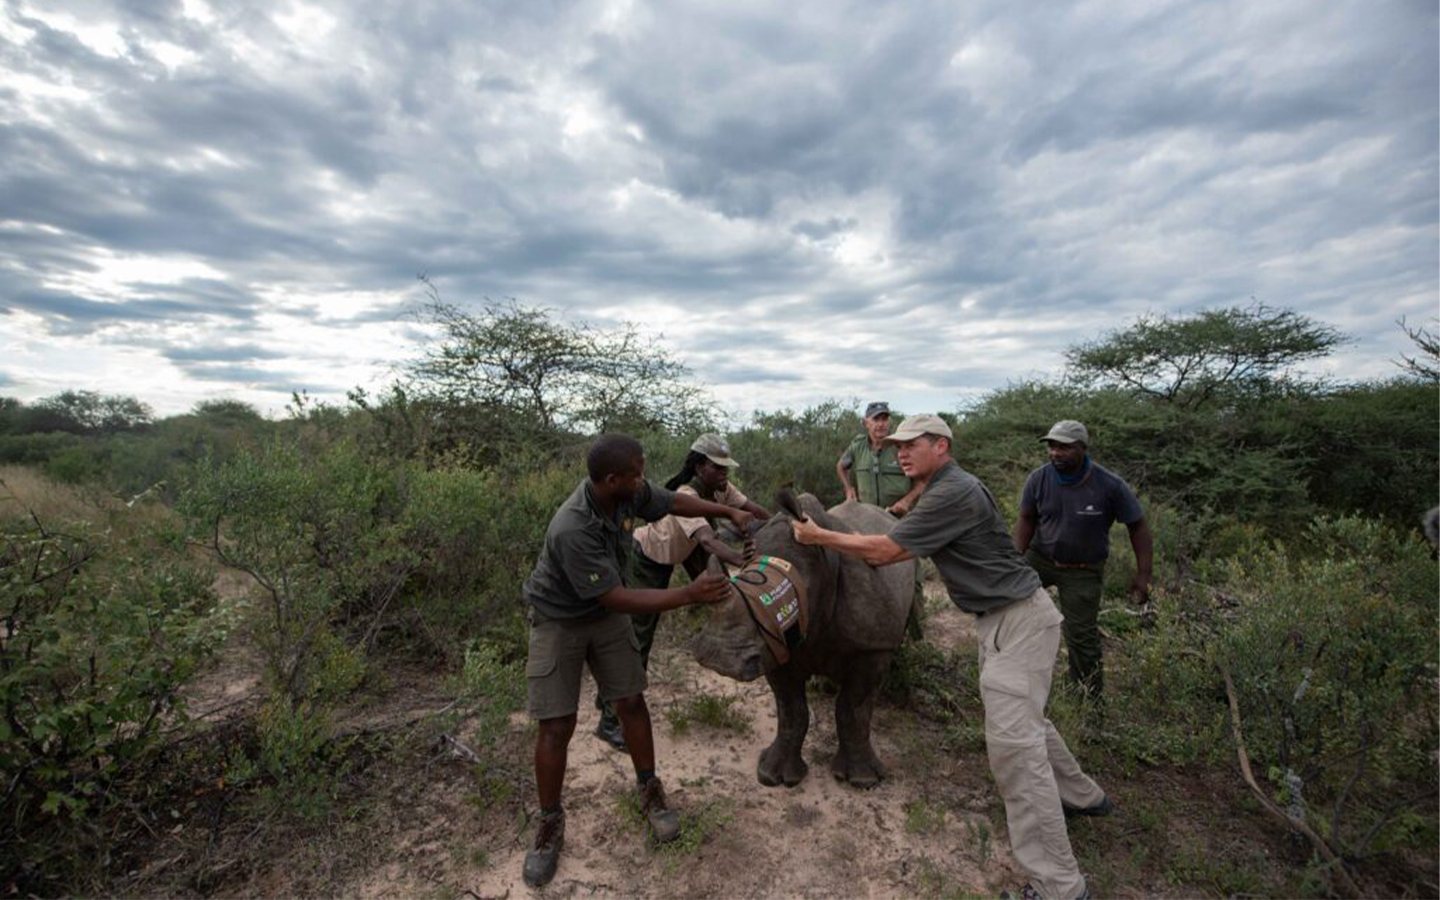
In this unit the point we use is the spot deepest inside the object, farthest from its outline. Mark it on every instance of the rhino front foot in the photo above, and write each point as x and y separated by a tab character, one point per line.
861	768
779	766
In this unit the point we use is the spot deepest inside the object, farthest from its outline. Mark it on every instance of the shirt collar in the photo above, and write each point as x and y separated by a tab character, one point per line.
592	506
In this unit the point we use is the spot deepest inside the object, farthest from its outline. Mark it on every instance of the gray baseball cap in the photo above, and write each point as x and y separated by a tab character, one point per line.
1068	432
925	423
715	449
877	408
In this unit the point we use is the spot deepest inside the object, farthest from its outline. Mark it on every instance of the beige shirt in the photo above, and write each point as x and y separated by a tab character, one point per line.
672	539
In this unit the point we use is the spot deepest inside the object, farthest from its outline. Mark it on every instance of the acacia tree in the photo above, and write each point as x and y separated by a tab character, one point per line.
1190	361
511	371
1425	364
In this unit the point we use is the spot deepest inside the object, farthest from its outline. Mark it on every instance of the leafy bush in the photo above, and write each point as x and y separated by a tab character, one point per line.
101	632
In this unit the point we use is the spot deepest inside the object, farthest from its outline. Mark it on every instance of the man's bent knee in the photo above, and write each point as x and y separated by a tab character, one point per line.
557	730
630	706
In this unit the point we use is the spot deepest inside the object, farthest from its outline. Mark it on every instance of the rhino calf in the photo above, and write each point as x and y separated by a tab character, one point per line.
857	618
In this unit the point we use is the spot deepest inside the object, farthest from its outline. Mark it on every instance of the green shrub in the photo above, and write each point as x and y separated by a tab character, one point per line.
101	632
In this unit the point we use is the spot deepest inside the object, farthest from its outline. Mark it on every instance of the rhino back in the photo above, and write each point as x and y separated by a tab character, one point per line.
871	604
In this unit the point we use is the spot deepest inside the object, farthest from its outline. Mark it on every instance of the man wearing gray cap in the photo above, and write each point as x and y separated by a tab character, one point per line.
956	523
1066	511
869	470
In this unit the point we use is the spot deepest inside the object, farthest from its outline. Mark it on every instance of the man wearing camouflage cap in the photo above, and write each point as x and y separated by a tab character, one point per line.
1066	510
956	523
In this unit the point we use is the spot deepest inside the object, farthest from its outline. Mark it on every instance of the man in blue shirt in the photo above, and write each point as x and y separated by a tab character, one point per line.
1066	511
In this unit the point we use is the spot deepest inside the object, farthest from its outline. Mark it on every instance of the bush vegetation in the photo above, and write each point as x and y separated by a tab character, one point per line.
402	525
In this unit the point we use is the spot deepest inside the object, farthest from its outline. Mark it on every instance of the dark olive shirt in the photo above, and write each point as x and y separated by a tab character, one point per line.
586	551
956	523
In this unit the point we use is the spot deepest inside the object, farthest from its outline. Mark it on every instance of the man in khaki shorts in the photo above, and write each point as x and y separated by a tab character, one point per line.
574	595
956	523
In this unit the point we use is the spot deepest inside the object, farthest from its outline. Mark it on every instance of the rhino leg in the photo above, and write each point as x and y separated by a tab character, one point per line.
781	762
855	760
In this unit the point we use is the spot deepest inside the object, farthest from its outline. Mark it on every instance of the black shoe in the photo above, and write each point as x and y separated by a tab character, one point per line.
664	821
1103	808
544	856
609	731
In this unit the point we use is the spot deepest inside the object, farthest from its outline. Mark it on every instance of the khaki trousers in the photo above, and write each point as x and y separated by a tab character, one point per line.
1033	768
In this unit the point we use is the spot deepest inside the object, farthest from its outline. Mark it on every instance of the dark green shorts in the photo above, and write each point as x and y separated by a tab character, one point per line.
559	651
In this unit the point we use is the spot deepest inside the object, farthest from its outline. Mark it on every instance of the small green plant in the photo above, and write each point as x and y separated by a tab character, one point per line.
710	710
922	818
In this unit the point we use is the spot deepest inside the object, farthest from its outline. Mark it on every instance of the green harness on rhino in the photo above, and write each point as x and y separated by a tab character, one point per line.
774	594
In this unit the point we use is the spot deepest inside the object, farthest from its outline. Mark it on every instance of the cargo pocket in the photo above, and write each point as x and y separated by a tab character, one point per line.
1005	691
540	667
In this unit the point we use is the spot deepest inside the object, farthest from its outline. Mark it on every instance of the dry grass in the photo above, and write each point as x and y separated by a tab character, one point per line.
25	492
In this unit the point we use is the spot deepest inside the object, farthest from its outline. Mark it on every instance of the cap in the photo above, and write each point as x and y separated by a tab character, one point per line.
925	423
1068	432
877	408
715	449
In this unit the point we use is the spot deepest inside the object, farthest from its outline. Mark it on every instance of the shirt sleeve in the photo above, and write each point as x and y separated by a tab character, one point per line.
734	498
1126	505
937	518
653	502
689	524
586	564
847	459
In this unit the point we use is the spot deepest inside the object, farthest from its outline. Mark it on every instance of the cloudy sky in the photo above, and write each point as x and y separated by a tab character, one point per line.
913	201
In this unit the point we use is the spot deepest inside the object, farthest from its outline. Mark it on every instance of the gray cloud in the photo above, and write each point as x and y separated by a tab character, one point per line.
1000	178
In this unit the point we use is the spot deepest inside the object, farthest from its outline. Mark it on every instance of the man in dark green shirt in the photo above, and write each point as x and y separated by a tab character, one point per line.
869	469
574	594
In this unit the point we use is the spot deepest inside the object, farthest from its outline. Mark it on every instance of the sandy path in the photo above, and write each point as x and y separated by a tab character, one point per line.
821	838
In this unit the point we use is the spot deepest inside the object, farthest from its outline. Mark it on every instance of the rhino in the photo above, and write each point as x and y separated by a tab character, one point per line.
857	618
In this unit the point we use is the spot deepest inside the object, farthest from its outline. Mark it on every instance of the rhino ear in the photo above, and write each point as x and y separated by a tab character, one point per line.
787	501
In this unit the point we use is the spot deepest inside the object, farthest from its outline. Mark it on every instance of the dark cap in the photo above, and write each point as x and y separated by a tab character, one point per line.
879	407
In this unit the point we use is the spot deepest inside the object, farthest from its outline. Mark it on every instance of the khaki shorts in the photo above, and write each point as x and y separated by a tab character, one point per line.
559	651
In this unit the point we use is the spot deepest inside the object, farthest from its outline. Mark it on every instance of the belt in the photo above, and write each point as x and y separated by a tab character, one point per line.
1067	565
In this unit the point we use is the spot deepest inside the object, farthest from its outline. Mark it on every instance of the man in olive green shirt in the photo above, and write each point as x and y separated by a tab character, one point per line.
869	469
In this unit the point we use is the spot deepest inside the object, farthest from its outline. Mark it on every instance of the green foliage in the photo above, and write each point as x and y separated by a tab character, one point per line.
319	534
714	711
514	375
923	818
1213	356
78	412
799	448
490	687
102	629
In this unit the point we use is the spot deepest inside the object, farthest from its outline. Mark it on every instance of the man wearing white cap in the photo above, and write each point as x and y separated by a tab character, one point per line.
1066	511
956	523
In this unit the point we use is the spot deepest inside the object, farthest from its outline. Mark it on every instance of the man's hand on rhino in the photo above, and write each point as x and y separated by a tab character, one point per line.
711	587
806	531
899	507
850	493
742	519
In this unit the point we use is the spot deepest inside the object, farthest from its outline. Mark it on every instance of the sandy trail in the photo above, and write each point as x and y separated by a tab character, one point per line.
821	838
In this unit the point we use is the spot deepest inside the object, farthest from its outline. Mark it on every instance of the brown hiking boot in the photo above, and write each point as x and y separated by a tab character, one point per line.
664	821
544	856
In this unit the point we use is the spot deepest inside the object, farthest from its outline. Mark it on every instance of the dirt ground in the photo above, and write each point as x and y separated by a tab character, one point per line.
740	839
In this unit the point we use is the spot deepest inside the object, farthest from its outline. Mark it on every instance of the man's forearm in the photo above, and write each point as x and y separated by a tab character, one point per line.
1023	534
692	507
644	600
844	474
1144	545
875	549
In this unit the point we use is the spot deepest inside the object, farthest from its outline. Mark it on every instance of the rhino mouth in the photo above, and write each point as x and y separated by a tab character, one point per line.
739	663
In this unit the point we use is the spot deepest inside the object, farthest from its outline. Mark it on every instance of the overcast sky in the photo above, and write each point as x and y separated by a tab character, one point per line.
915	201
